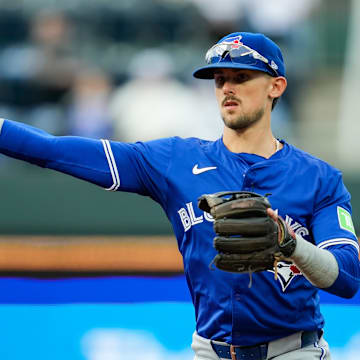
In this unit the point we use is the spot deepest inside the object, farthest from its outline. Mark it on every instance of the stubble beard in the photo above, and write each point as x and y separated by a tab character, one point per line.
244	121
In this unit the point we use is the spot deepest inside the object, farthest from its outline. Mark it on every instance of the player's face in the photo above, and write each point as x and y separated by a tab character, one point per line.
242	95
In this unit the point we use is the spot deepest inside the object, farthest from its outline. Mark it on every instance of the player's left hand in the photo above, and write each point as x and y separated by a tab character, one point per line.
250	235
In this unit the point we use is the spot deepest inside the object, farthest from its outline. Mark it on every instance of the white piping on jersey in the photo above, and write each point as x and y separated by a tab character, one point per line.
112	165
323	355
338	241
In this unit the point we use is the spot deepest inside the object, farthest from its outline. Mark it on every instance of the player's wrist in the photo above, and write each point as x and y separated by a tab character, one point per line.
287	238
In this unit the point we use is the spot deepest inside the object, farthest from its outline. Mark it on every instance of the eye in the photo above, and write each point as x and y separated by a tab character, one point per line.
242	77
219	80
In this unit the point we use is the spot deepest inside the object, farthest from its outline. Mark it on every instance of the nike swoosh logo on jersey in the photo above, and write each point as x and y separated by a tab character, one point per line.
197	171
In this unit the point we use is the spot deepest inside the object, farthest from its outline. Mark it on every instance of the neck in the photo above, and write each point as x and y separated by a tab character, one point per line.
259	141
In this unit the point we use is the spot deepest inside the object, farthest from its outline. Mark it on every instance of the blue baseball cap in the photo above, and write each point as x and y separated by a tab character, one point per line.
243	50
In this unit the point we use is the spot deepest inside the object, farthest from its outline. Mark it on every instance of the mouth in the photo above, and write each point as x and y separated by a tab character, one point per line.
230	104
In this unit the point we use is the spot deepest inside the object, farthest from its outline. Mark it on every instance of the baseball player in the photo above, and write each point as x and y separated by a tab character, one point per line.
268	316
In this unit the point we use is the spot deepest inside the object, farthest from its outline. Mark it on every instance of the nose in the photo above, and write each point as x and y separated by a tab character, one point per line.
228	88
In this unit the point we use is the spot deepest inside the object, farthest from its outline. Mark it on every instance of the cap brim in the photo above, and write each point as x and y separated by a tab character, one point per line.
207	72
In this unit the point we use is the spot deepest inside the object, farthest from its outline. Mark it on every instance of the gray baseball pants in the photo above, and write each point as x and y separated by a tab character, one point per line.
277	350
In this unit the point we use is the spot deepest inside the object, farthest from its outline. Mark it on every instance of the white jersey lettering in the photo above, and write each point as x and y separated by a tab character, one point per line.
185	219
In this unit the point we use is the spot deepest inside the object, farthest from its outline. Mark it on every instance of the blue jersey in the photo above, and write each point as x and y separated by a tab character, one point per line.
307	192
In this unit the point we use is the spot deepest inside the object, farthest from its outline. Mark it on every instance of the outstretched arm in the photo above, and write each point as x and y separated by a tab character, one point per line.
140	168
87	159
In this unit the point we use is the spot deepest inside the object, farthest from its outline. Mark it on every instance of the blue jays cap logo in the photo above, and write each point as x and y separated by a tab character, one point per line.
221	49
233	41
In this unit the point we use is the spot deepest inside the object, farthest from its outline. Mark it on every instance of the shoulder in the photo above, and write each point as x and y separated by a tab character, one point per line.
312	163
192	143
167	144
170	147
324	179
177	140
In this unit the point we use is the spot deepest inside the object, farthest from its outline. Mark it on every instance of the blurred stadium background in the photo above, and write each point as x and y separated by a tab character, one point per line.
69	287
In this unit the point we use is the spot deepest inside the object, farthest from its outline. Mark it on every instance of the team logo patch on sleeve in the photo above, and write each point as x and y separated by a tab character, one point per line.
345	220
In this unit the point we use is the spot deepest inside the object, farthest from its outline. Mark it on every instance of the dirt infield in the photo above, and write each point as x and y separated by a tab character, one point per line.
89	254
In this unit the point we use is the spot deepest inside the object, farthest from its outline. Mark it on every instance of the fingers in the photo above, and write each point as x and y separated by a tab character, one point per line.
272	214
276	217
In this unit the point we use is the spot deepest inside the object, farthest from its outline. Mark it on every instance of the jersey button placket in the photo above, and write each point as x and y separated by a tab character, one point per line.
248	184
239	292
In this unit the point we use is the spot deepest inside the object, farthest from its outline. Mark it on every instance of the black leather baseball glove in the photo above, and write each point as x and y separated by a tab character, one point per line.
248	239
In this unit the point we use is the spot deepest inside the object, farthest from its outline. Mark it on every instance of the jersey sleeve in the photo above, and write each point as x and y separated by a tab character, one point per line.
333	230
141	167
331	223
348	281
76	156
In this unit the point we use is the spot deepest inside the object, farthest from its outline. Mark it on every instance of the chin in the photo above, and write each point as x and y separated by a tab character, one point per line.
235	124
231	121
230	118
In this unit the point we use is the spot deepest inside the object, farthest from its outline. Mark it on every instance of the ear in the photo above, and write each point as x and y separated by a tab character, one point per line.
278	86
